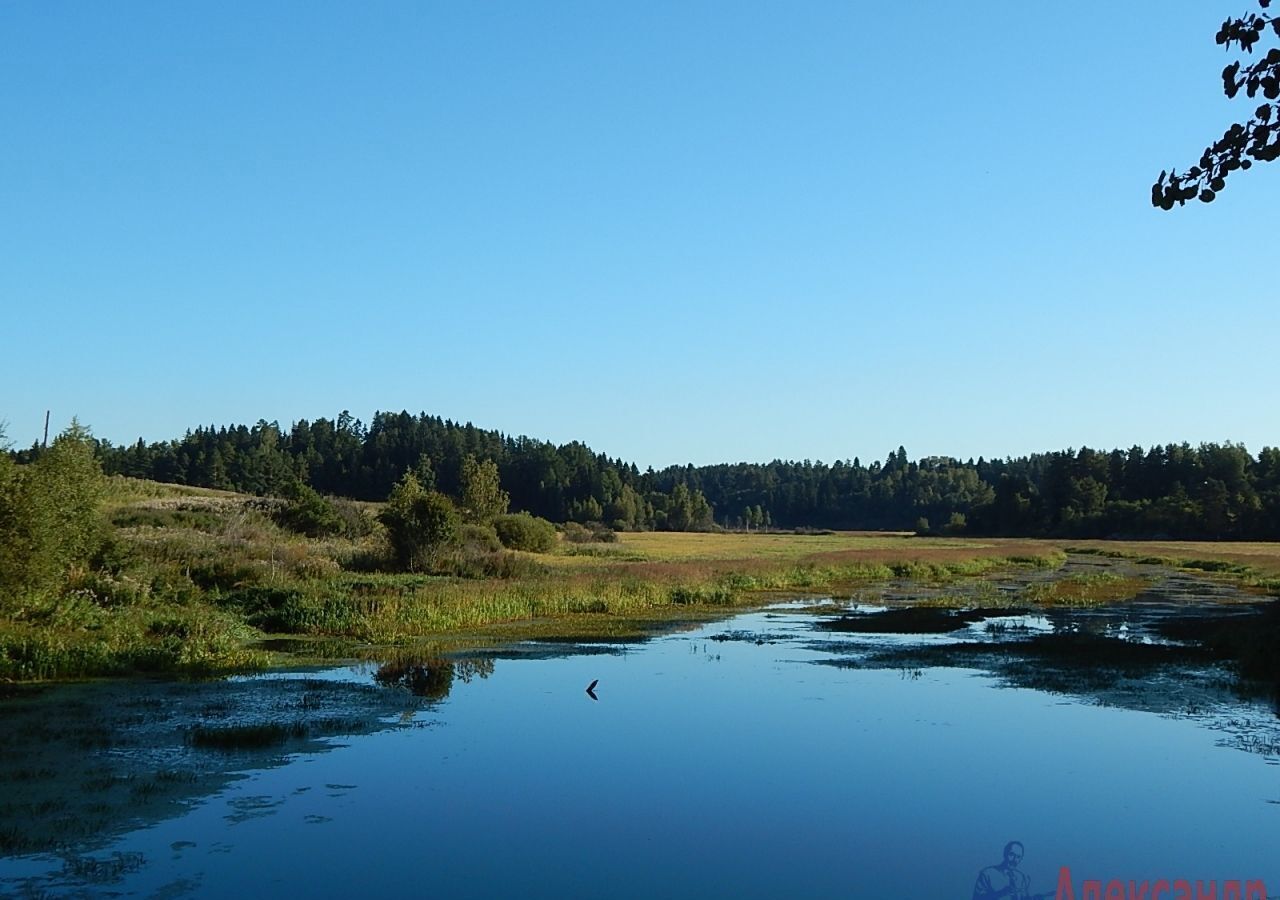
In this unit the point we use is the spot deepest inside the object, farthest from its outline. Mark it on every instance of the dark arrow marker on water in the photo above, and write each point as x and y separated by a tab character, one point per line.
591	689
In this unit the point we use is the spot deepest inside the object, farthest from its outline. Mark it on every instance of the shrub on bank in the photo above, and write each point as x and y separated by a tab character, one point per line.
478	539
420	524
306	512
592	532
521	531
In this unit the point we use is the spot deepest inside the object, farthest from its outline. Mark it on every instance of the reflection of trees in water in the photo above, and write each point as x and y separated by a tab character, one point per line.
433	677
467	669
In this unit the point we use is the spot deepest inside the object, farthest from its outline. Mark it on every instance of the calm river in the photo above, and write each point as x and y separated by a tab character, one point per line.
740	759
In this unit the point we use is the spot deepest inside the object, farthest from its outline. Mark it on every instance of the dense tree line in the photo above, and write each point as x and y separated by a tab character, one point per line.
345	457
1213	491
892	495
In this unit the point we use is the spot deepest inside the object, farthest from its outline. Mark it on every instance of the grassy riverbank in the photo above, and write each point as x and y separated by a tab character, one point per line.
191	580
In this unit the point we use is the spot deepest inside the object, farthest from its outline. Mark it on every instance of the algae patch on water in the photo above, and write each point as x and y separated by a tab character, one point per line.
81	763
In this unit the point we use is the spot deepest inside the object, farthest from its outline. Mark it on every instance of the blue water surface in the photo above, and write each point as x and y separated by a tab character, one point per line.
715	768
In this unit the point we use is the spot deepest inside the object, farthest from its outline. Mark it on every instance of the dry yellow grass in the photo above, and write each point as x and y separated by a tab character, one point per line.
698	554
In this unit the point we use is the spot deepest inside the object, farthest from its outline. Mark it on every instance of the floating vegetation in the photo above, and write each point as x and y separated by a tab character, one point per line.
263	735
156	745
245	737
912	620
1085	589
744	637
102	870
1063	662
1247	636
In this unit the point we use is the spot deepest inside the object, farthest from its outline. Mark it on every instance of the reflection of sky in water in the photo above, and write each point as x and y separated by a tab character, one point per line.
727	768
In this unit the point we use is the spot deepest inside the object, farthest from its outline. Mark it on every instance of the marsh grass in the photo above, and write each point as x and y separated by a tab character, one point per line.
189	579
198	598
1085	589
1251	564
398	609
603	551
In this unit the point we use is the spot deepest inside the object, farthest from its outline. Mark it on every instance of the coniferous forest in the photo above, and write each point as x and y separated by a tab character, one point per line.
1210	491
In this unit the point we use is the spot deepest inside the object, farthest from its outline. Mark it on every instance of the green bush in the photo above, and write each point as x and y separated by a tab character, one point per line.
592	532
522	531
261	605
420	524
356	523
306	512
575	533
477	539
49	522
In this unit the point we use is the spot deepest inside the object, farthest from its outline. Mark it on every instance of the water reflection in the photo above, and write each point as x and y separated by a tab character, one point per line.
431	678
762	757
1149	655
80	764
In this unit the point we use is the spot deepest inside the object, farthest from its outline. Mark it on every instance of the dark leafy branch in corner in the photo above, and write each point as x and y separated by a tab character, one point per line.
1257	139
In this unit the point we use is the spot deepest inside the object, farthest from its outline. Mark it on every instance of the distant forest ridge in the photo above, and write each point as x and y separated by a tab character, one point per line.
1210	491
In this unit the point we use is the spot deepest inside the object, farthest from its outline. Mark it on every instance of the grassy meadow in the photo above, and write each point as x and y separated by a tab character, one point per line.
191	580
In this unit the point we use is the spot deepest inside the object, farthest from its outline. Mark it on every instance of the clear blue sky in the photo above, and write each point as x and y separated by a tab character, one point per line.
680	232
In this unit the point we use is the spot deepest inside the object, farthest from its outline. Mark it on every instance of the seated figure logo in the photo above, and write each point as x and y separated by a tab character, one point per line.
1006	881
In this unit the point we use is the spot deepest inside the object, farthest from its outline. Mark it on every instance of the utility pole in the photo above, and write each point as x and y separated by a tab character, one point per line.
46	428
